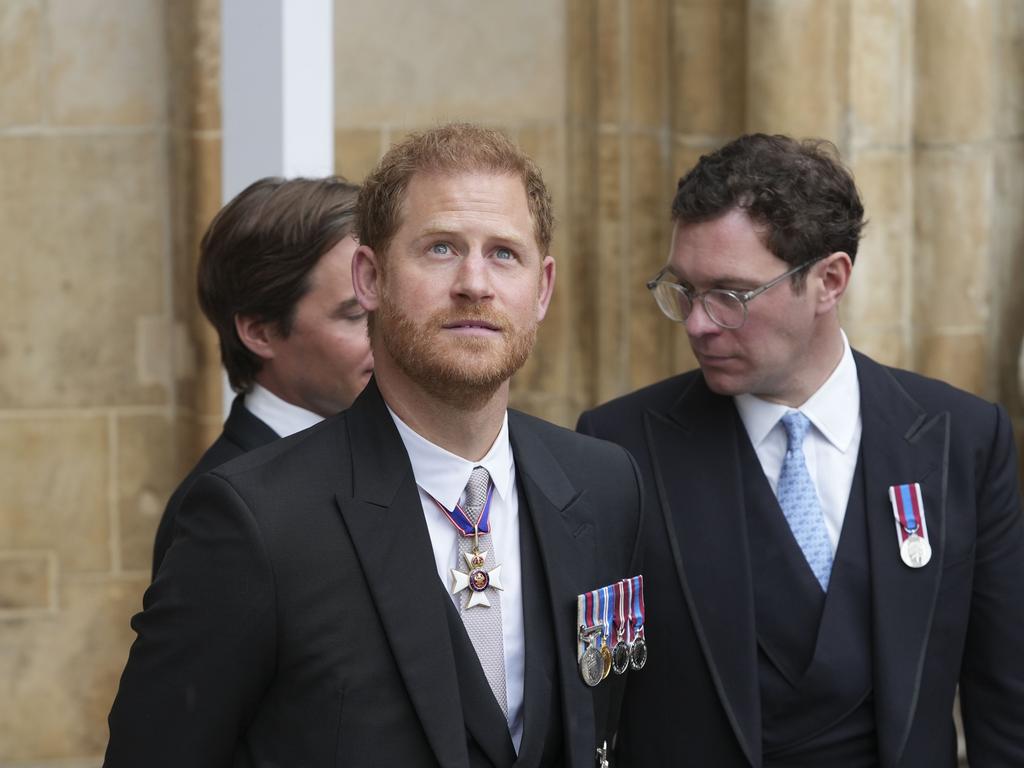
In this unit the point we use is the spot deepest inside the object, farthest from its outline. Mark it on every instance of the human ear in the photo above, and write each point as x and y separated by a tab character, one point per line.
366	278
256	335
547	286
832	278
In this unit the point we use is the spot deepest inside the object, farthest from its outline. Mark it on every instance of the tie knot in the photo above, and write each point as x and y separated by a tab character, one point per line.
476	489
796	425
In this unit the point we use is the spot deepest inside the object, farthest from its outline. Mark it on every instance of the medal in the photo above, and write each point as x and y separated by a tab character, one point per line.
610	630
591	666
911	528
915	551
620	650
477	578
589	640
590	661
638	649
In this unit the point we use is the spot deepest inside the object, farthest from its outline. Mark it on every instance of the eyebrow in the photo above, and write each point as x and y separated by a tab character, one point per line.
718	282
442	231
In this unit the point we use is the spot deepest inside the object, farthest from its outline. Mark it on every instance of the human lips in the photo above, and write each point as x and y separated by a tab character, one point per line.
472	327
708	359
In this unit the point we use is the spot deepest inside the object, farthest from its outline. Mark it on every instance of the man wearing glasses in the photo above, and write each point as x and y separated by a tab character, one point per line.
831	546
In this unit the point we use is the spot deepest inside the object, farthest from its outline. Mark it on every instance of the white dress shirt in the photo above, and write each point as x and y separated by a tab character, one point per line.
281	416
830	448
443	476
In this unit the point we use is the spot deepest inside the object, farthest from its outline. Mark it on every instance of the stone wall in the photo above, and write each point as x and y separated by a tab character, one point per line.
106	152
110	152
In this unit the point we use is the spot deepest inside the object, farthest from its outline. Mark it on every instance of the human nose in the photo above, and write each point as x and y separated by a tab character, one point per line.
699	323
472	281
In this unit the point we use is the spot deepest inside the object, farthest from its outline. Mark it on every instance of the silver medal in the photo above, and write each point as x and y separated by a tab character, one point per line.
591	666
638	654
915	551
620	657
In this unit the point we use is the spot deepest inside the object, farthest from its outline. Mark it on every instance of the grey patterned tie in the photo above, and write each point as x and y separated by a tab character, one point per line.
483	623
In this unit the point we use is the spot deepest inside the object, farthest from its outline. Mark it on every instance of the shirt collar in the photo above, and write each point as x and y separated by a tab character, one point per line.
444	475
833	409
280	415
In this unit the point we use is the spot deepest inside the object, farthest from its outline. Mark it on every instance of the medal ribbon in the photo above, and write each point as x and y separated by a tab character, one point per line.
581	613
636	613
908	508
460	519
627	588
587	612
620	613
607	601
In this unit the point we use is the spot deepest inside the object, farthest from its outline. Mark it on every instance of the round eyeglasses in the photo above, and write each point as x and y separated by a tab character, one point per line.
725	308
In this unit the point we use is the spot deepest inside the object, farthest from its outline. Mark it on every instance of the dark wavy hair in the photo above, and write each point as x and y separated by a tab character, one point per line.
798	194
258	252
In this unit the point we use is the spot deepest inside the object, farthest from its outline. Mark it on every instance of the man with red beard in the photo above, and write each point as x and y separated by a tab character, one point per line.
397	586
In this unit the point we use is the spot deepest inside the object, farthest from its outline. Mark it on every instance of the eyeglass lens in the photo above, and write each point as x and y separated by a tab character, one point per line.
724	308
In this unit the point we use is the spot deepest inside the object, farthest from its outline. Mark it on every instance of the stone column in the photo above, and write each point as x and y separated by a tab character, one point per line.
876	311
620	165
954	166
708	102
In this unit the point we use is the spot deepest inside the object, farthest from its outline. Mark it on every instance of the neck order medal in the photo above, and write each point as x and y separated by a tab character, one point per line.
477	578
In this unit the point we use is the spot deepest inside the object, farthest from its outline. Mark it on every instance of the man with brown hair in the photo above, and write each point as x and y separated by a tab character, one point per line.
837	544
398	586
275	281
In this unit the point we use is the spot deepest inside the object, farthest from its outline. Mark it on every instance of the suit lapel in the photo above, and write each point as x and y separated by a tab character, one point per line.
483	716
246	430
565	542
384	518
901	443
696	469
540	648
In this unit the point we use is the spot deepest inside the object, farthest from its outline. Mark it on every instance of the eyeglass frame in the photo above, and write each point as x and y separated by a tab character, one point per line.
741	296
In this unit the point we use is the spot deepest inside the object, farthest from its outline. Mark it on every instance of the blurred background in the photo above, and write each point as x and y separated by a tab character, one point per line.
110	157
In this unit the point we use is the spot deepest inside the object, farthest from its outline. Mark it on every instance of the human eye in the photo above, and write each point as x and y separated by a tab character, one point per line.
682	286
440	249
356	317
504	254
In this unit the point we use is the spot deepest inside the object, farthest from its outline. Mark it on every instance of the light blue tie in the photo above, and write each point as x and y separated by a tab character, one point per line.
799	501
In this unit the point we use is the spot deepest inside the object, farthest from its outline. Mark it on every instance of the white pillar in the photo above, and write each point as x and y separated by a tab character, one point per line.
277	93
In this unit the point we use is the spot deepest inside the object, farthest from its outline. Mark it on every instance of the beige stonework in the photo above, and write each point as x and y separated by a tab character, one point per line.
110	148
55	488
954	87
1009	63
58	674
28	582
21	62
955	358
797	67
105	56
648	72
708	67
881	42
81	206
411	63
146	474
952	237
356	151
880	284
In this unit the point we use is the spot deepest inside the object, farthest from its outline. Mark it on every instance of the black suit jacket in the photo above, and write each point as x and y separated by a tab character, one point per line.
242	433
958	619
298	620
